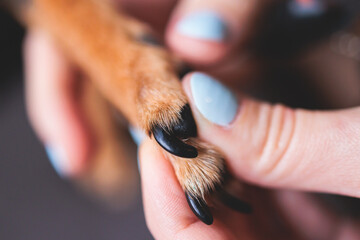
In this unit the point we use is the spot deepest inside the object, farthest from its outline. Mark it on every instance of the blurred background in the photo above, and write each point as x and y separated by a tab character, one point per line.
313	48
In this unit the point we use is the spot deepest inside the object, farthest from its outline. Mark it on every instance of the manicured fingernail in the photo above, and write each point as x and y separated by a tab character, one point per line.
138	136
205	25
58	160
214	101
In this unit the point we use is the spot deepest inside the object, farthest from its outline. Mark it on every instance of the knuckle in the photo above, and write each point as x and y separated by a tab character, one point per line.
276	144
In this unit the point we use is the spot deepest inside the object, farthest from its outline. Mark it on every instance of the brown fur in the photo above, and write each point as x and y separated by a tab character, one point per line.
138	79
199	176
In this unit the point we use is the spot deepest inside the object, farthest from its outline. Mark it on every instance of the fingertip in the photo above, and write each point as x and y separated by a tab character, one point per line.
199	52
164	201
71	148
67	140
205	32
167	212
68	158
52	106
186	84
200	37
217	104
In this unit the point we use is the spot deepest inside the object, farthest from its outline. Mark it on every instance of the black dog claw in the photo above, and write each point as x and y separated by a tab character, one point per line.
187	127
149	39
171	140
235	203
200	209
174	145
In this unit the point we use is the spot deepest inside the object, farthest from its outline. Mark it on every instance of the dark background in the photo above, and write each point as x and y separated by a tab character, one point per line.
34	202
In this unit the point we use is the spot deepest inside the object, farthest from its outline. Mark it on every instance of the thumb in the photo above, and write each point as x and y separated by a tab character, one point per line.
275	146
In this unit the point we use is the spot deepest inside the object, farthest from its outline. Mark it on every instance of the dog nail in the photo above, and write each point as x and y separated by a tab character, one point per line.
187	127
200	209
235	203
174	145
150	40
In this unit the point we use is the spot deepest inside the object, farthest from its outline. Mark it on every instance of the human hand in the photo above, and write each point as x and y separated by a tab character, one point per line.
210	29
44	98
267	145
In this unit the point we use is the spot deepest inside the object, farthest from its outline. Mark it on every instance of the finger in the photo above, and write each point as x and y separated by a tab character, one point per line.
275	146
204	32
51	104
168	215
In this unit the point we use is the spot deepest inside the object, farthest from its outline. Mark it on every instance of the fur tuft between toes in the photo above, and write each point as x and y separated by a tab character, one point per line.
202	175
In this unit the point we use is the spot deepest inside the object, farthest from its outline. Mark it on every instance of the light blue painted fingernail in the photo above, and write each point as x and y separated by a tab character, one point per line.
204	25
137	135
214	101
58	159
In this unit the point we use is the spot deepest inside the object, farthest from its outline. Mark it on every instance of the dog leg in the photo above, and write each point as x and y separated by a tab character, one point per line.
141	81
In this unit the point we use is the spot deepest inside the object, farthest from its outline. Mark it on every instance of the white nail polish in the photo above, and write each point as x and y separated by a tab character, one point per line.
204	25
214	101
58	159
